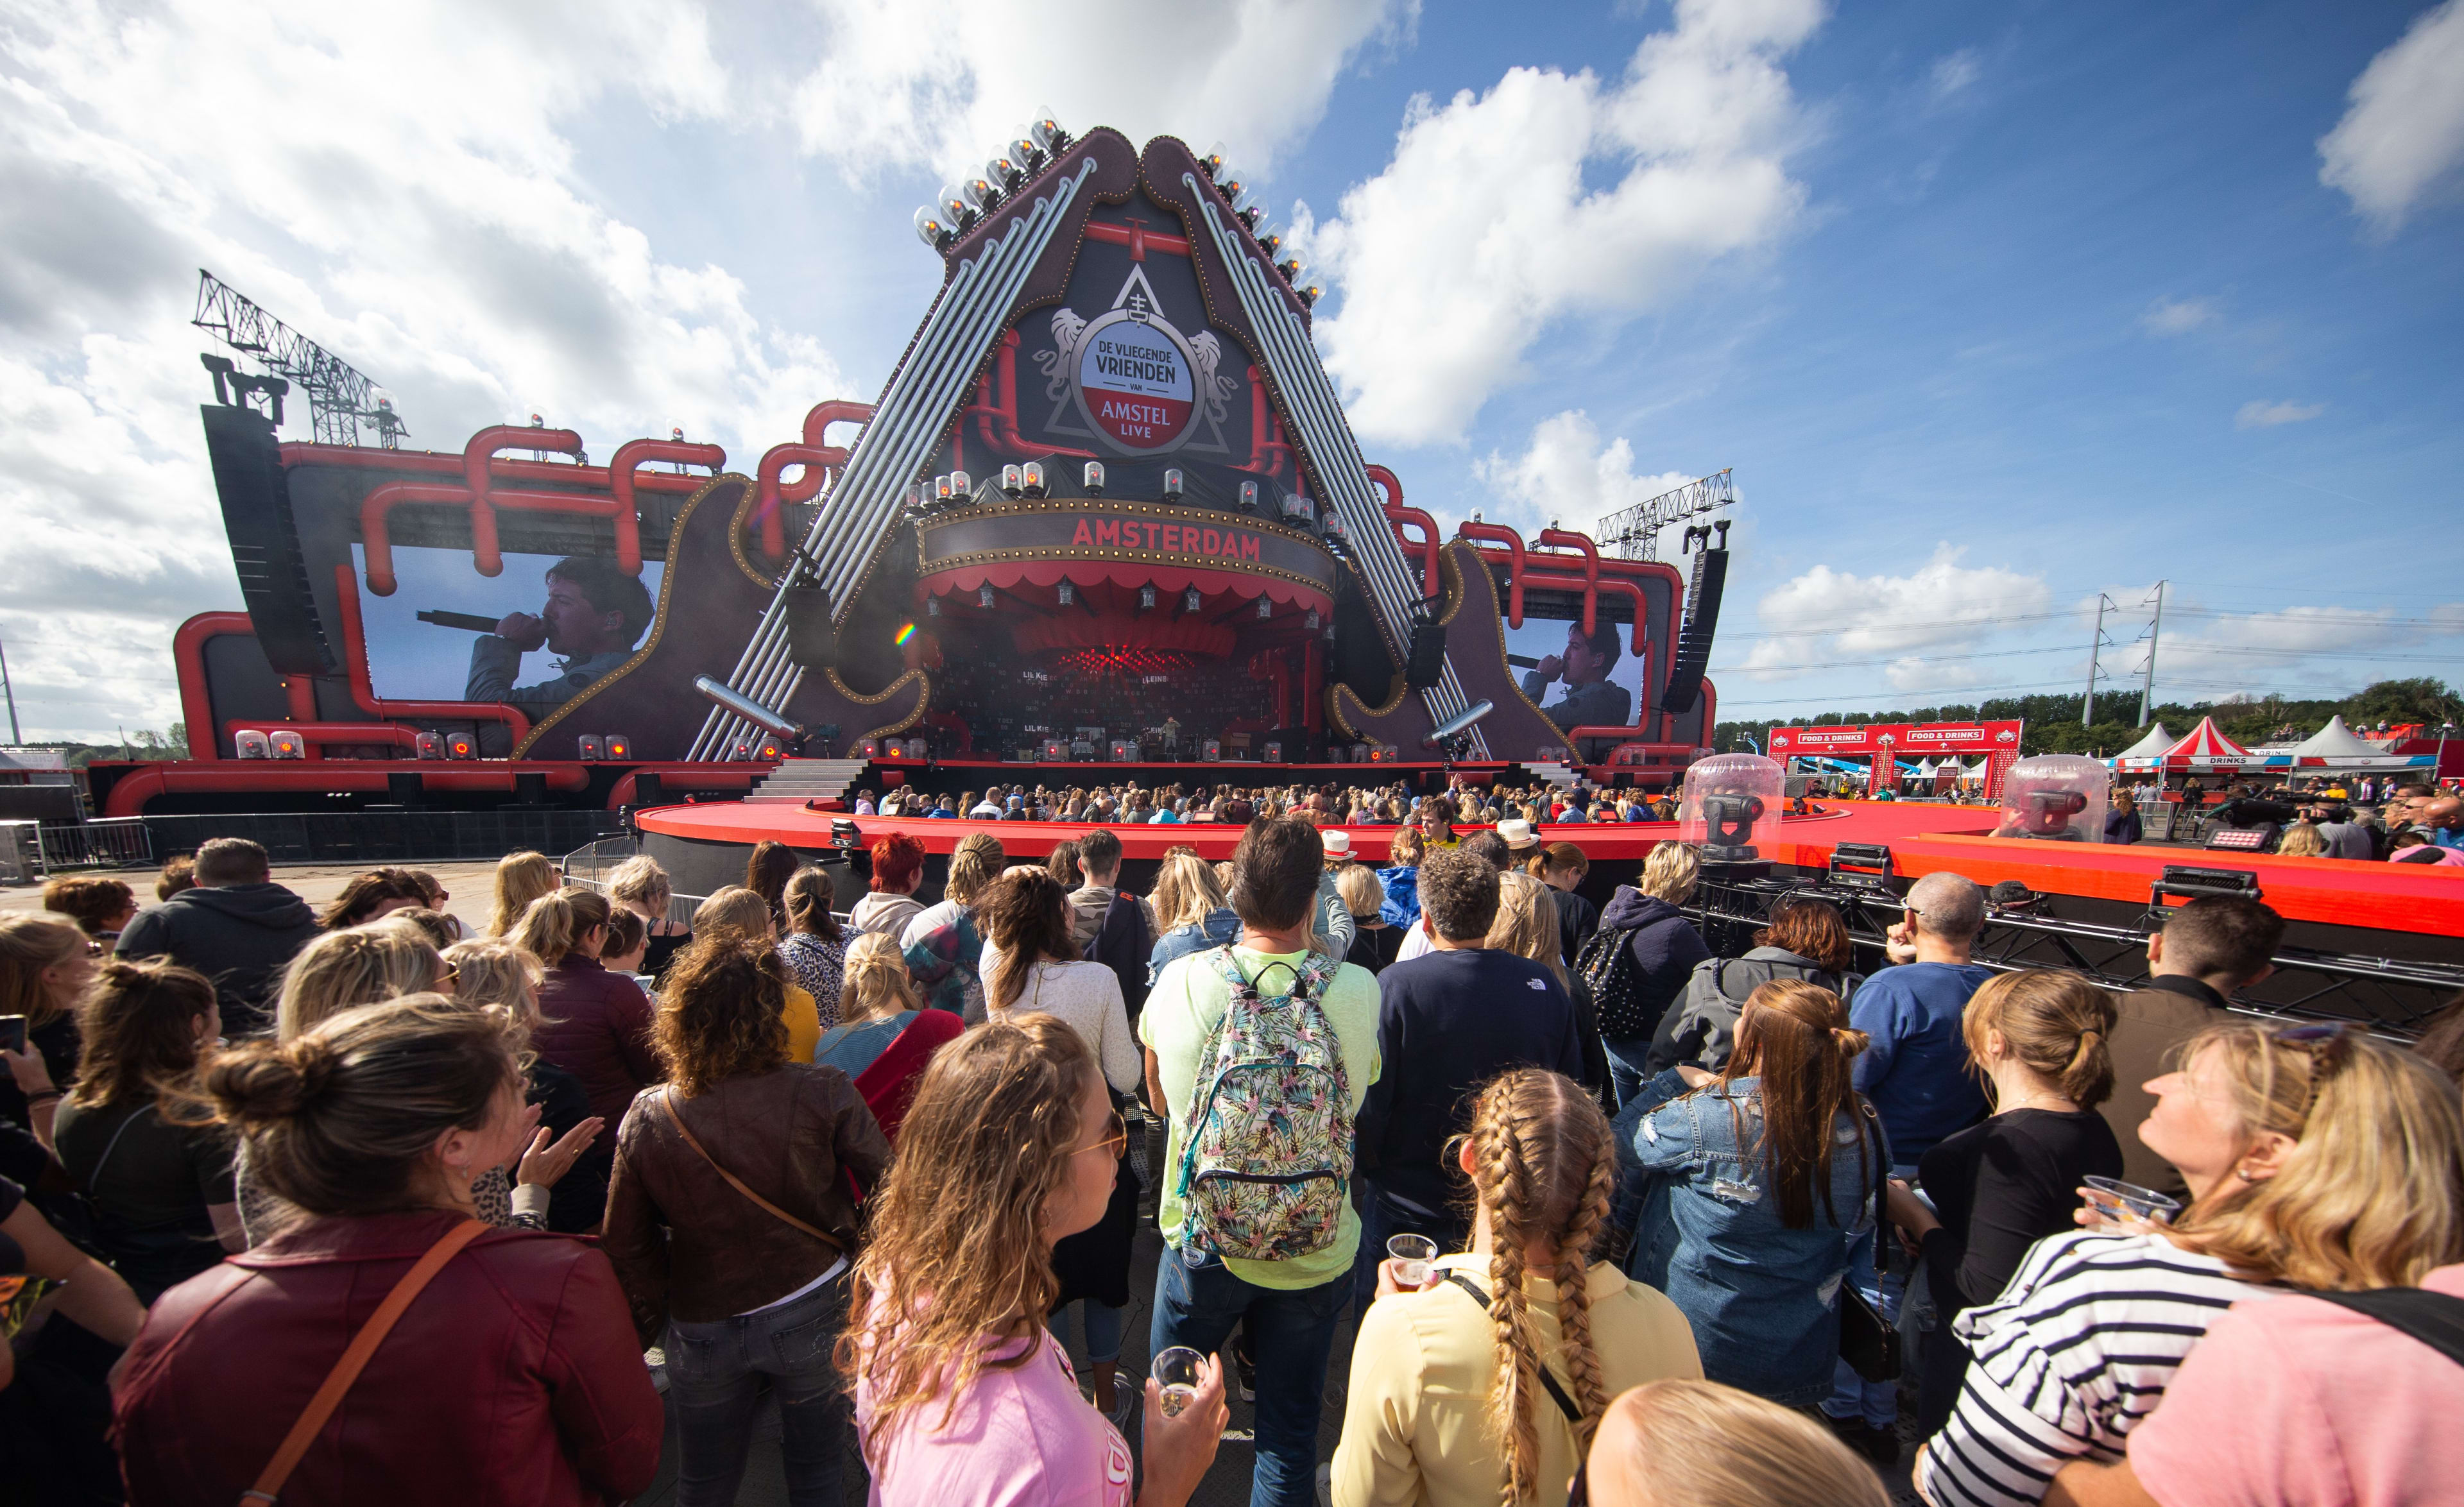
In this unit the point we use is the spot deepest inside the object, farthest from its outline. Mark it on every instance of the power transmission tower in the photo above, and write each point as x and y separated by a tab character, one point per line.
340	398
1634	533
2087	702
2147	680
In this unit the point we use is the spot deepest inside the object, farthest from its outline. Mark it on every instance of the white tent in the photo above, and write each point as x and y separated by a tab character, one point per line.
2334	741
2147	751
1924	769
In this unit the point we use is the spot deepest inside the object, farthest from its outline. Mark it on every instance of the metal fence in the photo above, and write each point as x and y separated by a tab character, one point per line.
390	837
106	842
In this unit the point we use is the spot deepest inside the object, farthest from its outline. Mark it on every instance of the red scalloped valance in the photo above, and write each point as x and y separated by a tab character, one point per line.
1131	574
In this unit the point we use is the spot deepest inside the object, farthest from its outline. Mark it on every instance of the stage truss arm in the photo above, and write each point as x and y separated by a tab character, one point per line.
1635	531
340	397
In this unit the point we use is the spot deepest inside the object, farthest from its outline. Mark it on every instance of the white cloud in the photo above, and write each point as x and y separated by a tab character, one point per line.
2178	315
2258	414
399	184
1567	474
940	84
2403	135
1954	74
1830	615
1484	231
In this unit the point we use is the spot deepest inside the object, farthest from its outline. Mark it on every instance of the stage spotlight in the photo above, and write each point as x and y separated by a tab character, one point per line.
1005	175
1299	509
1067	593
1172	486
1248	496
1013	480
1047	132
590	748
1031	478
1309	295
248	743
984	594
1266	608
1095	478
430	745
1213	160
962	487
461	745
932	230
1271	242
1146	597
1192	600
290	745
940	492
932	606
1290	268
741	752
619	746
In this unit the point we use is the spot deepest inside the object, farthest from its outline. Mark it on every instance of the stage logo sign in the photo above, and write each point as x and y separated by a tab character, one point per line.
1134	381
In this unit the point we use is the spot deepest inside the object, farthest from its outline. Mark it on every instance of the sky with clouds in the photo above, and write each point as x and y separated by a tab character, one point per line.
1993	310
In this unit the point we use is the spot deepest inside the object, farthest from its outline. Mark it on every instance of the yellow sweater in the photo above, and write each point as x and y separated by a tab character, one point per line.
803	1024
1414	1423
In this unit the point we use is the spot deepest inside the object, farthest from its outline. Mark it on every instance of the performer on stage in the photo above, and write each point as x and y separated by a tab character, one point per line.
1590	701
594	616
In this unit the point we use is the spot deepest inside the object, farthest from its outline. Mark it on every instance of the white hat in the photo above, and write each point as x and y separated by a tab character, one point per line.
1338	842
1518	834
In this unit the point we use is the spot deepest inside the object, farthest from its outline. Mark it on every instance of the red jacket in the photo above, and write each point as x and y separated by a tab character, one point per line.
513	1378
596	1025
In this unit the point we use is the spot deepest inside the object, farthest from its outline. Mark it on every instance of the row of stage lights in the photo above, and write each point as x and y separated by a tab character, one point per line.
962	205
1026	481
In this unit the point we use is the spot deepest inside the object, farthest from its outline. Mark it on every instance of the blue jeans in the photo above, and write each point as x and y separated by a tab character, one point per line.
714	1374
1851	1394
1292	1334
1626	1072
1103	1329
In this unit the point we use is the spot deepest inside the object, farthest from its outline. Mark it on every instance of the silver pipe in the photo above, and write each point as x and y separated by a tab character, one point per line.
745	707
1320	414
920	396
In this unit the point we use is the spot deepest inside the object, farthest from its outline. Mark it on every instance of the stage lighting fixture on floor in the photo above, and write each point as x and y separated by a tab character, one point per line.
619	746
248	743
290	745
867	747
461	745
1095	478
1210	752
962	487
1171	486
1274	753
1055	751
589	748
940	492
429	745
1123	752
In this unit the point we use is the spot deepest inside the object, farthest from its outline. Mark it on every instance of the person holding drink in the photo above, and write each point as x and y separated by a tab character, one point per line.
1483	1375
963	1395
2315	1157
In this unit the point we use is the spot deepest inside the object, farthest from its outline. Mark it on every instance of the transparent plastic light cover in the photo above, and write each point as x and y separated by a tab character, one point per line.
1729	799
2056	797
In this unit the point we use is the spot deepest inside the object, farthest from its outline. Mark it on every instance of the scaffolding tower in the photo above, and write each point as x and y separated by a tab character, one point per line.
340	399
1634	533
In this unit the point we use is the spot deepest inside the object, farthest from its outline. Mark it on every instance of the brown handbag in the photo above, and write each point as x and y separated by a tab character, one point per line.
667	1103
346	1370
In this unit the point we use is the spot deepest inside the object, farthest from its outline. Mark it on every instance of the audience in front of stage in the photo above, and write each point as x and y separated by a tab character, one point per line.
1109	925
897	873
737	911
520	878
944	942
640	885
1191	912
1806	940
99	906
813	944
886	1036
236	925
1663	947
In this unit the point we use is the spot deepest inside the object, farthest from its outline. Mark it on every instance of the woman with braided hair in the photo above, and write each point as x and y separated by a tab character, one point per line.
1484	1385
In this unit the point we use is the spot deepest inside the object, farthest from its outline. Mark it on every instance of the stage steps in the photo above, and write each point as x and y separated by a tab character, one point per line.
797	780
1555	774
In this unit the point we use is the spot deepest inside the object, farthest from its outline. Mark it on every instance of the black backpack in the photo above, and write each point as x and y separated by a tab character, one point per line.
1607	978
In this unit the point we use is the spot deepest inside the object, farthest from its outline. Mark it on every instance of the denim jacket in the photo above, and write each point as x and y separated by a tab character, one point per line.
1216	930
1763	1299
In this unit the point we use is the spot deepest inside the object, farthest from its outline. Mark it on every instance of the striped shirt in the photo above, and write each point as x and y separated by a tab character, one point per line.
2077	1350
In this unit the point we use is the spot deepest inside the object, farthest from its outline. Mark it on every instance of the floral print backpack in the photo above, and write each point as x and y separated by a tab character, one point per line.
1268	1163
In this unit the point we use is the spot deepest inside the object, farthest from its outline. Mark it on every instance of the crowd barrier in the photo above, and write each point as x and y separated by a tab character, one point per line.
390	837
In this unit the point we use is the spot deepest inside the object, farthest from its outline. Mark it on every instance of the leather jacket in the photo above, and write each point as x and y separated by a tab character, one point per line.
596	1025
512	1379
793	1134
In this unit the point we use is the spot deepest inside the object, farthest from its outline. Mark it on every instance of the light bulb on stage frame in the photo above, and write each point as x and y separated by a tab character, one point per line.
1031	478
1013	480
1095	478
962	487
932	230
1248	496
1172	486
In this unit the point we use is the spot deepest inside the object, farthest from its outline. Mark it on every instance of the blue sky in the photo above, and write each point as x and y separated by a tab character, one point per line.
1992	309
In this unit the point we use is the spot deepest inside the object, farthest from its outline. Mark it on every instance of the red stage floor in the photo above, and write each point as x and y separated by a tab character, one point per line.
1923	839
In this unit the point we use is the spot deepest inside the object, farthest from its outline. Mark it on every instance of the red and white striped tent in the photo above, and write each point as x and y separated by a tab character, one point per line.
2205	747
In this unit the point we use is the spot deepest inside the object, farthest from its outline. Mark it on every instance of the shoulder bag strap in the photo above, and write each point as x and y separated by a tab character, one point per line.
1548	1380
346	1370
2434	1318
667	1102
113	1145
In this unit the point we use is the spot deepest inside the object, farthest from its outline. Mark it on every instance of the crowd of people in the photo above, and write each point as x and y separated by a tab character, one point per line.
1127	803
1618	1219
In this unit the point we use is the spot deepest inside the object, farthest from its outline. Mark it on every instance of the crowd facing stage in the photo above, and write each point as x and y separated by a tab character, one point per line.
1613	1214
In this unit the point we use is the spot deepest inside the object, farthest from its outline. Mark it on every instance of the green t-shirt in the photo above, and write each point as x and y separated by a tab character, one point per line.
1184	1005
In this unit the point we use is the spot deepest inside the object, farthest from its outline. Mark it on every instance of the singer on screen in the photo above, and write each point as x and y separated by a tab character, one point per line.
594	616
1591	700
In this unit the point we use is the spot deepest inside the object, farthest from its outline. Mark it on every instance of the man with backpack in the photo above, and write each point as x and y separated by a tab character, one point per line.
1259	1056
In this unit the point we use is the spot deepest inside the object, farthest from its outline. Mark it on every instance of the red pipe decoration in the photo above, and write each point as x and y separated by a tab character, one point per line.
621	469
1267	439
817	460
355	656
476	476
1614	585
188	664
321	732
1500	534
1398	514
1566	538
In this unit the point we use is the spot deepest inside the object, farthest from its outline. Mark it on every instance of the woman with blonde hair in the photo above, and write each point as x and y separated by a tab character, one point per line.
739	912
1644	919
885	1036
732	1215
543	1191
45	966
2302	839
1755	1185
2315	1157
944	943
963	1397
2039	1039
1192	914
521	879
641	886
1700	1444
358	966
1484	1383
1526	922
1372	940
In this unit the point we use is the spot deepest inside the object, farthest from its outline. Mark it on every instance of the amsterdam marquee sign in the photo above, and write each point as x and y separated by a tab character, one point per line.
1128	533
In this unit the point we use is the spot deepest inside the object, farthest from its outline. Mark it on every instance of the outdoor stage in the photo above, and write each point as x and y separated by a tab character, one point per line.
2393	910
